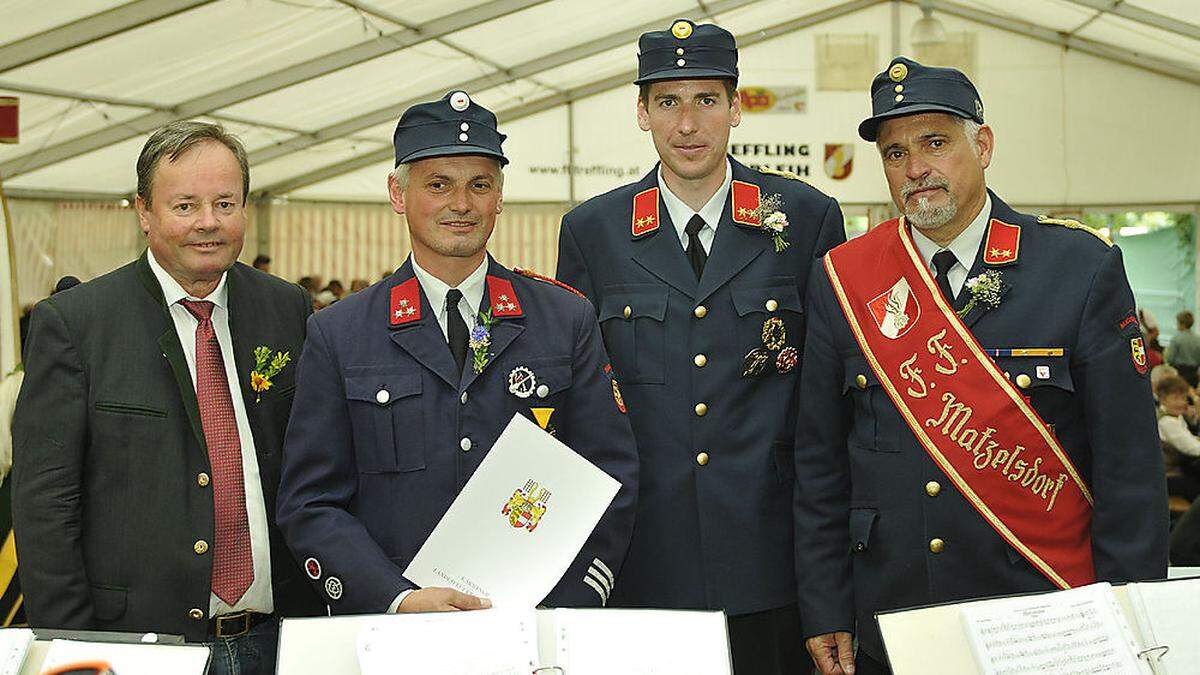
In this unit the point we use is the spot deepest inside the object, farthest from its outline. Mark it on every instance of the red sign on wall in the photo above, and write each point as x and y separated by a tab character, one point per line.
9	127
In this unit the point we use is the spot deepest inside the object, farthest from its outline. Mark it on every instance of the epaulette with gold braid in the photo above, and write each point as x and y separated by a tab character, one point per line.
1075	225
782	174
550	280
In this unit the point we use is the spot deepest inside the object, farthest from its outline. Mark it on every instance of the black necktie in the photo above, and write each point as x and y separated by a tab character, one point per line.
456	328
695	249
942	262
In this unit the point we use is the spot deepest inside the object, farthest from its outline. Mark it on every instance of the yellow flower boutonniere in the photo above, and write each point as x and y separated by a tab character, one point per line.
266	366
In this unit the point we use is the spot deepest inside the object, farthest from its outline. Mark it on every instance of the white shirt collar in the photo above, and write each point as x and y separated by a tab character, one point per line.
965	246
436	289
173	292
681	213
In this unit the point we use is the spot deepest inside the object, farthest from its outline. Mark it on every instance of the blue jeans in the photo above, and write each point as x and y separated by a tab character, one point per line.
250	654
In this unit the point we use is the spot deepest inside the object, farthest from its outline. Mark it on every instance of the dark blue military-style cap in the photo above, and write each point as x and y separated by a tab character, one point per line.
687	52
455	125
909	88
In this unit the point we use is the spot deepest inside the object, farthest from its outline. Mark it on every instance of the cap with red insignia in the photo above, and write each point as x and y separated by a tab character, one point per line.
687	51
910	88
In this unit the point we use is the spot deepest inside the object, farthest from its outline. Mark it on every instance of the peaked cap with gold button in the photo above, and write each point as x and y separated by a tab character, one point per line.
454	125
910	88
687	51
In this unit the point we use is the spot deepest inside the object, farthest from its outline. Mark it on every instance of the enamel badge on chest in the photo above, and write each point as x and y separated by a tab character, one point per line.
521	382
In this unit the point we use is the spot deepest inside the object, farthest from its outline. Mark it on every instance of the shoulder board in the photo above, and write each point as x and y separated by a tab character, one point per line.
550	280
1074	225
782	174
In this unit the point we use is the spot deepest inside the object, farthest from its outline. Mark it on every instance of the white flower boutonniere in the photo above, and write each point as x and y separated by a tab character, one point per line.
773	221
984	290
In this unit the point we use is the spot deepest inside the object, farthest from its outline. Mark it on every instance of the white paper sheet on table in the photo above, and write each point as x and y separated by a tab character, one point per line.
515	559
14	646
490	642
131	659
1167	615
641	642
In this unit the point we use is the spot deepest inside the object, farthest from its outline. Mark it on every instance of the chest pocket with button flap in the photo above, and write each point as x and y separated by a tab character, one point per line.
877	423
387	420
632	321
756	306
1044	380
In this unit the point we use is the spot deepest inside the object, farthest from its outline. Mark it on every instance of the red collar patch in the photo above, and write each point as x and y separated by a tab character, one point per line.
503	298
745	203
645	213
1003	243
406	303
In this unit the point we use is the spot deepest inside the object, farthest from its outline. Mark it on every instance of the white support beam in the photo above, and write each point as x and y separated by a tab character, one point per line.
561	98
265	84
1066	41
499	77
66	195
1142	16
90	29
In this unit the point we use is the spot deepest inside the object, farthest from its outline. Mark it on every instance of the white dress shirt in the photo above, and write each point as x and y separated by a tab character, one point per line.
471	289
1174	431
964	247
258	597
681	213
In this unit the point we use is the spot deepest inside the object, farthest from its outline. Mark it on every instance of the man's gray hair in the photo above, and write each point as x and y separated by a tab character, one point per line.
400	174
177	138
971	131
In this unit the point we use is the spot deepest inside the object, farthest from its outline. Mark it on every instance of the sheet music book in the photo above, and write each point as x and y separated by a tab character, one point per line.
14	646
512	532
131	659
1074	632
1092	629
547	642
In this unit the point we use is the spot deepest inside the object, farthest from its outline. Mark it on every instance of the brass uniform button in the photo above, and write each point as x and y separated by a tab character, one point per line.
700	312
628	311
936	545
899	97
899	88
202	479
932	488
200	547
701	409
195	614
702	458
1023	381
700	360
861	381
772	305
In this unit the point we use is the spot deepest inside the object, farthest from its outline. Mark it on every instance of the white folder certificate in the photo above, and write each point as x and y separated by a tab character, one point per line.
518	523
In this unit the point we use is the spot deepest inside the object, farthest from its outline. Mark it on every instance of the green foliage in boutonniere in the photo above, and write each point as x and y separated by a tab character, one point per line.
266	366
773	220
481	341
985	290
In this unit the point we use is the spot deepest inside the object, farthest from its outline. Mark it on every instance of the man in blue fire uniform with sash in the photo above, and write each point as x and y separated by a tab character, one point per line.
697	272
977	417
404	387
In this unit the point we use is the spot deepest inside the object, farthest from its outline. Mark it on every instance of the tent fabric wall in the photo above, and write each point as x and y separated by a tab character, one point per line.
333	240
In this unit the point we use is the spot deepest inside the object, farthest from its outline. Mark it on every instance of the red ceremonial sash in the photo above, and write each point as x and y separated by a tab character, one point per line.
962	409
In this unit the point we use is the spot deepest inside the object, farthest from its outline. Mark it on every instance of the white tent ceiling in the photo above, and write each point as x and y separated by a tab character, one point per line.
314	87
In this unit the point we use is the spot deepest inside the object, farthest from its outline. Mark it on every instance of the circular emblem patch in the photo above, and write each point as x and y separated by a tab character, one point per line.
333	587
312	568
682	30
460	101
521	382
787	359
774	333
898	72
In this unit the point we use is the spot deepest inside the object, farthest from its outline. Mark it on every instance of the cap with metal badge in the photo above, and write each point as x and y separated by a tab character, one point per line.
453	125
687	51
910	88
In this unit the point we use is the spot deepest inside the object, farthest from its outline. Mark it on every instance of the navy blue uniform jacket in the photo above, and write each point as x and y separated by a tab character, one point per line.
364	483
866	511
716	535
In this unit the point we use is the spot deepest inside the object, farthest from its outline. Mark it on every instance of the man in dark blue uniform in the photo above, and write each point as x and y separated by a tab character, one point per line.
697	272
404	387
1046	309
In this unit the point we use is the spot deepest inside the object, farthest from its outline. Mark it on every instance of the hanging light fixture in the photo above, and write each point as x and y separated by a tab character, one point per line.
927	30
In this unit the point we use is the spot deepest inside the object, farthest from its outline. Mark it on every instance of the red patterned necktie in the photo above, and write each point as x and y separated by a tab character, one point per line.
233	564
